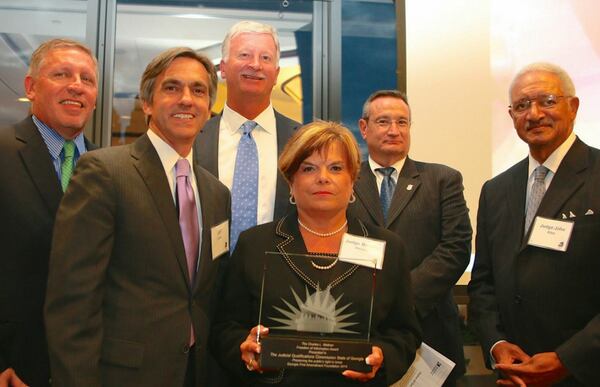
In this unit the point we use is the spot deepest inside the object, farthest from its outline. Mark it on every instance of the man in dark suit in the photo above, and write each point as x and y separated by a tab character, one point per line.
424	204
250	66
37	157
534	294
139	244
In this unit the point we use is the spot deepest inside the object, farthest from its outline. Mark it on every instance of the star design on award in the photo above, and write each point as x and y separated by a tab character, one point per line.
318	313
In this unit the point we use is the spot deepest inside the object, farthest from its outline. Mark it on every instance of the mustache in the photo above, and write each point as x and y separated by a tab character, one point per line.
253	74
535	124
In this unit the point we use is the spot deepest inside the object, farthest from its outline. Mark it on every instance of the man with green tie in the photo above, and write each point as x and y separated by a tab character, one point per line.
37	157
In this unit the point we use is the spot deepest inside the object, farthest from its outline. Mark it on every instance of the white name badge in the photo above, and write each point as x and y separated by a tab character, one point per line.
551	234
219	236
362	251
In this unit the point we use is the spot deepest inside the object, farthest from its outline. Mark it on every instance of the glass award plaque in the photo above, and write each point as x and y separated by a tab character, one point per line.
318	311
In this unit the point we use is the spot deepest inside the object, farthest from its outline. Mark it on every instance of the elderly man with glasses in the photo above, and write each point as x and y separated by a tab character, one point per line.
534	297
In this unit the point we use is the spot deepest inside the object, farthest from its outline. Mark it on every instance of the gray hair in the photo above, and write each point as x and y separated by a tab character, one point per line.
384	93
566	82
40	53
252	27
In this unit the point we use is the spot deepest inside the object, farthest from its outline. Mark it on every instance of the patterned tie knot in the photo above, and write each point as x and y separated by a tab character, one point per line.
248	127
182	168
387	171
69	149
539	174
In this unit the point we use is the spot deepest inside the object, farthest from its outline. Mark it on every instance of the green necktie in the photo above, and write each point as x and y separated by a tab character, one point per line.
66	168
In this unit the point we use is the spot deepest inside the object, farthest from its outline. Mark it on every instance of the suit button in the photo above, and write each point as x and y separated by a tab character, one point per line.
518	299
186	348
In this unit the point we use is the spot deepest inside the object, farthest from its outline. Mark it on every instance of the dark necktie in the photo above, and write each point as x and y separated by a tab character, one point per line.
244	190
538	189
66	167
387	189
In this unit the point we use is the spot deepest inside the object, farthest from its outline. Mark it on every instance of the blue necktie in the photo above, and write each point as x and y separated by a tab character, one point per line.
244	191
387	189
538	189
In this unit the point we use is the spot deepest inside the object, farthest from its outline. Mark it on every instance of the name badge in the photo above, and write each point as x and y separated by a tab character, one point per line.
219	236
362	251
551	234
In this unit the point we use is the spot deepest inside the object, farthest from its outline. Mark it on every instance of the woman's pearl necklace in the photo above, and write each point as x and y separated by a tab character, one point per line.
322	234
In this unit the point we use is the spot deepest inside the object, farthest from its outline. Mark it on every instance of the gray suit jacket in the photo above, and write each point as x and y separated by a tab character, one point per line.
119	302
207	149
540	299
429	212
29	196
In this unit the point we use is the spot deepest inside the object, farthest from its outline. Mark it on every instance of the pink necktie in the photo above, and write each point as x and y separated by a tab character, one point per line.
188	222
188	216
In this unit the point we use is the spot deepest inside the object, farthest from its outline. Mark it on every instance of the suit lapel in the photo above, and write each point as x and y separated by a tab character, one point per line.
36	158
205	267
206	146
149	166
365	189
407	185
568	179
284	129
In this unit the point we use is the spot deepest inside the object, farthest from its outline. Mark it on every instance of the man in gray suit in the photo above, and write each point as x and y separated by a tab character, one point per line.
424	204
139	243
250	66
534	294
37	156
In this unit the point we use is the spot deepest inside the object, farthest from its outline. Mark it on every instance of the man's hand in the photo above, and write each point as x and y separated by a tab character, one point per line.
542	369
8	378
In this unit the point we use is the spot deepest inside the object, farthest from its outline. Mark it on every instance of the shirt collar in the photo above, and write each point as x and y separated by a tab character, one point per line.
54	141
168	156
553	161
398	165
265	120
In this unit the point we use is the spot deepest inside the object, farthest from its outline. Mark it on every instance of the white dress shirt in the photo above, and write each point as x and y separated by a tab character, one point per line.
379	176
552	163
265	136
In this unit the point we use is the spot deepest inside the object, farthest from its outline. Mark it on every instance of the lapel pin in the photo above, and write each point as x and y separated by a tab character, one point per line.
564	216
571	214
409	187
589	212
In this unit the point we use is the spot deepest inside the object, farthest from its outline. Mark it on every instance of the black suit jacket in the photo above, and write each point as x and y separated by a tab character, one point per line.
394	326
540	299
428	211
207	149
120	303
29	196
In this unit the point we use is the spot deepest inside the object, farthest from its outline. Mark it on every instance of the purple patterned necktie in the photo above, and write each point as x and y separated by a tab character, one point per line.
188	216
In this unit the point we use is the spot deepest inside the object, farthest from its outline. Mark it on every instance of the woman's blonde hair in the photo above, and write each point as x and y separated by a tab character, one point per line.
318	136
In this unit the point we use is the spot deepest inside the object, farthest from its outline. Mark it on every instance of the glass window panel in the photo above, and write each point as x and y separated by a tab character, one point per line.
369	55
145	28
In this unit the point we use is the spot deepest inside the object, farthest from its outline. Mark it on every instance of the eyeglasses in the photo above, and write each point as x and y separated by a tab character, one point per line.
544	101
386	123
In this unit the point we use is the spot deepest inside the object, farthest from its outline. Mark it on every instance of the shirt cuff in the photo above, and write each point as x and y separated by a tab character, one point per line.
492	360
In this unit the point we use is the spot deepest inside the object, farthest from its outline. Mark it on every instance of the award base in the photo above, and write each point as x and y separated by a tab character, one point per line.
314	354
